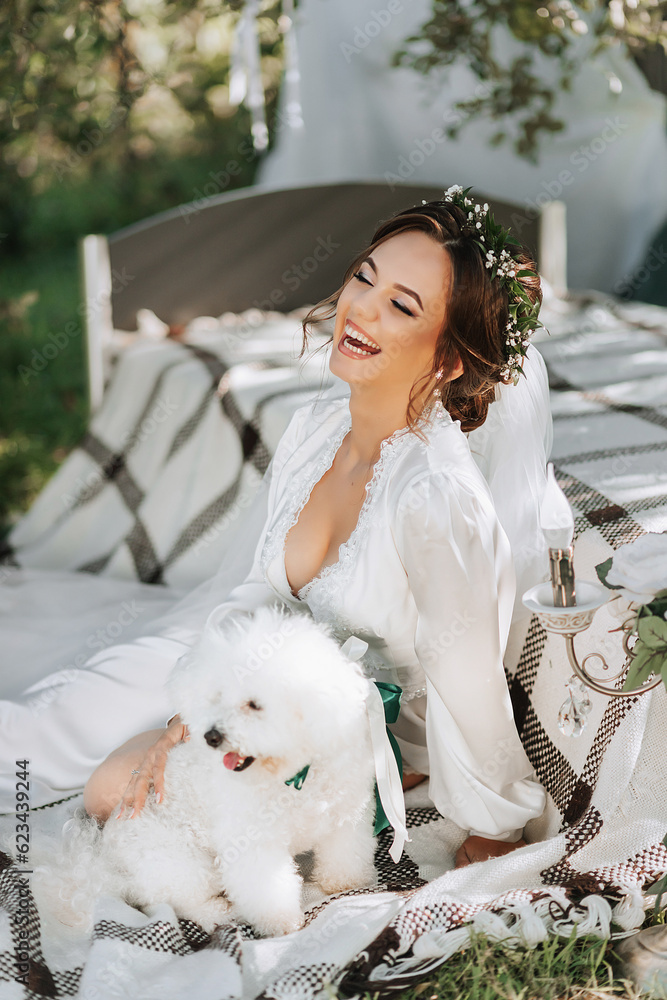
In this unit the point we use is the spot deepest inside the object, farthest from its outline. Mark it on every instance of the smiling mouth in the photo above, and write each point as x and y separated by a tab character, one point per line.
235	762
358	342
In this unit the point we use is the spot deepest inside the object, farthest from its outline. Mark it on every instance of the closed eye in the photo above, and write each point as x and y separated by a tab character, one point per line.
254	706
404	309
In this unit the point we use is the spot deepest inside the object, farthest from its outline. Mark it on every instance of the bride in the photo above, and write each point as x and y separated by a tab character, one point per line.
380	523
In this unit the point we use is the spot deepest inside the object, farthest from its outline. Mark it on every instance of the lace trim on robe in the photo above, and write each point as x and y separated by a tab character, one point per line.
326	588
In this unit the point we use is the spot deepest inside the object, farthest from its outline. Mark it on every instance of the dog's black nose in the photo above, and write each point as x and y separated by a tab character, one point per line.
213	738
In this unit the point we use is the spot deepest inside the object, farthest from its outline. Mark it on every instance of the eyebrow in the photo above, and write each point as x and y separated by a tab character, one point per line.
403	288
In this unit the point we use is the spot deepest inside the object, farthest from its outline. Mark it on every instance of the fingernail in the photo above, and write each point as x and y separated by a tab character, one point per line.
158	796
131	816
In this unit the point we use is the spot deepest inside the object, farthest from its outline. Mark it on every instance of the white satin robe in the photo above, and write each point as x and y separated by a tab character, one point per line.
427	580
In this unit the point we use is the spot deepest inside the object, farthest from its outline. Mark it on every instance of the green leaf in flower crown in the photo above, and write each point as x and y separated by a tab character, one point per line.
652	632
602	569
645	662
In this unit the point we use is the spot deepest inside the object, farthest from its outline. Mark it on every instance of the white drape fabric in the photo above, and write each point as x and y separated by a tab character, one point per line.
365	119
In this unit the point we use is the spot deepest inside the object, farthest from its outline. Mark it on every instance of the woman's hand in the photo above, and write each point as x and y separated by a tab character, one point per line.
151	770
480	849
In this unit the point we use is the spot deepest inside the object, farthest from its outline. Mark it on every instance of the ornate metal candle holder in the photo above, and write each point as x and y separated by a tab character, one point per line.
568	621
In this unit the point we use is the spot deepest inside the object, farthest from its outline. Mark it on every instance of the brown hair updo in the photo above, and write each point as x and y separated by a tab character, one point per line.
477	311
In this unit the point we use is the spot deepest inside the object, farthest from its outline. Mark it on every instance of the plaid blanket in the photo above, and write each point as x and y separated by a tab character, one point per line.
599	842
186	430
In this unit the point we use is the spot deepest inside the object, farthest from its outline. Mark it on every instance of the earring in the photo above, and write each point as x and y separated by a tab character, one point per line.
436	391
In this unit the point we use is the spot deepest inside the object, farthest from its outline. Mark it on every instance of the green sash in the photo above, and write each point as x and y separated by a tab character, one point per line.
391	701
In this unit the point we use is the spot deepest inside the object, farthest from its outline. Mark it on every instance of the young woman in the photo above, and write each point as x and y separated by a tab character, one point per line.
381	524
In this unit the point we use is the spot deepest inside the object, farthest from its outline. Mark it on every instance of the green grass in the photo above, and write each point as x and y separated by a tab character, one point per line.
43	404
576	969
584	968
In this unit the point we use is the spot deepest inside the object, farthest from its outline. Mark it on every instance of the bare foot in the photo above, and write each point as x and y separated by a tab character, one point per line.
480	849
413	779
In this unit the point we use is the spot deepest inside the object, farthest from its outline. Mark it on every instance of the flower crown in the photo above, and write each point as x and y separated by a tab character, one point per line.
493	241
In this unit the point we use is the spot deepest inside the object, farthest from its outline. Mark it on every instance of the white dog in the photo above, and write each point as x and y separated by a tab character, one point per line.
278	762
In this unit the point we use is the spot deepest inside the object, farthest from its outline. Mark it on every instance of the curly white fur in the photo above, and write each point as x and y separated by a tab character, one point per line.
268	694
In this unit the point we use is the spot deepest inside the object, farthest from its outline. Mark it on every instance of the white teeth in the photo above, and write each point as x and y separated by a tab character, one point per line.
361	337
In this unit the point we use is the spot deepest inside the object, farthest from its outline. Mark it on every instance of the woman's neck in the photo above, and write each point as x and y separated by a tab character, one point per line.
373	420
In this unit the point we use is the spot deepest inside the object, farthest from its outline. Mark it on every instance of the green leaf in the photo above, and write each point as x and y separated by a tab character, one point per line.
659	886
658	606
652	632
602	570
657	889
643	664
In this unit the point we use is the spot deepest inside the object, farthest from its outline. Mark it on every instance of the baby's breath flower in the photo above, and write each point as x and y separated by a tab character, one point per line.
517	329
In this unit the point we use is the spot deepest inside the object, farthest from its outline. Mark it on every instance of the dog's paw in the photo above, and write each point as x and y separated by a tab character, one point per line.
277	924
334	882
211	914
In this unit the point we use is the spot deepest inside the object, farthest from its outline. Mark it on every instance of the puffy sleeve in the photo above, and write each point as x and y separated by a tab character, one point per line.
459	569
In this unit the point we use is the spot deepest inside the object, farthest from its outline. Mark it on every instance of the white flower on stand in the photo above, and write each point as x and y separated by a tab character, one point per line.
640	568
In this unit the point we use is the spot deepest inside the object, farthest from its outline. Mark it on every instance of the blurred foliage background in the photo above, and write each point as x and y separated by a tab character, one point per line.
522	83
113	110
109	112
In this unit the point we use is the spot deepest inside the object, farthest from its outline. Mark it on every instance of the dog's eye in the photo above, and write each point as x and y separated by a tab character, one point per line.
254	706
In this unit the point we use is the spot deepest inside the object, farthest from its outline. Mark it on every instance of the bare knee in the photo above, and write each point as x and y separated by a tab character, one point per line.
103	791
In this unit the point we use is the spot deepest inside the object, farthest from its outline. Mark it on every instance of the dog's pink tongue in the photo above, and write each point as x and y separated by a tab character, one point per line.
230	760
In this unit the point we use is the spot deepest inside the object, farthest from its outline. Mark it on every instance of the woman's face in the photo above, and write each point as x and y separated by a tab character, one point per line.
396	301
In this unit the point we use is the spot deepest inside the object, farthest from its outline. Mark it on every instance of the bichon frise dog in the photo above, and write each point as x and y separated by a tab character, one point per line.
278	762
